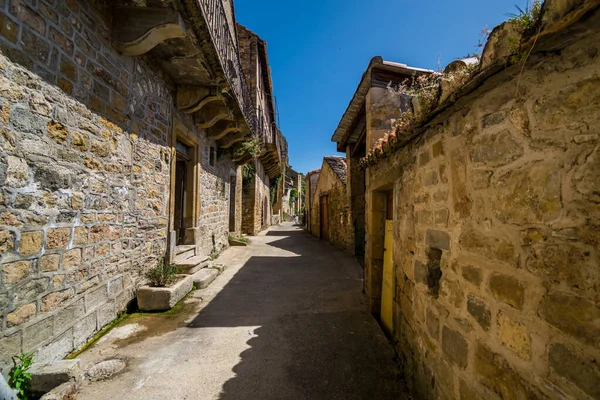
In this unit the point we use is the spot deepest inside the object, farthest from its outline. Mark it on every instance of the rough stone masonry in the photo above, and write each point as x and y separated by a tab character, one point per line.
496	213
84	176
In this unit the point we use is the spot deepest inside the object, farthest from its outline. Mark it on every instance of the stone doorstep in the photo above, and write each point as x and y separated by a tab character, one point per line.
205	277
45	377
184	248
164	298
191	265
184	252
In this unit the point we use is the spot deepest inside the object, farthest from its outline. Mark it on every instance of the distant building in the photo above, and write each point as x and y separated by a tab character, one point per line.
329	213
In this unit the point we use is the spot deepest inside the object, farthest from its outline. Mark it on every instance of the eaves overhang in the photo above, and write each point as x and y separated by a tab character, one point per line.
345	132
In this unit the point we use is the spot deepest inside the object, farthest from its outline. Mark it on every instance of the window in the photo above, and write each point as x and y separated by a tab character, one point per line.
212	158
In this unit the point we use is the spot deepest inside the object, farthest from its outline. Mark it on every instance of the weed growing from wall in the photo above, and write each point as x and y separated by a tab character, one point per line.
19	378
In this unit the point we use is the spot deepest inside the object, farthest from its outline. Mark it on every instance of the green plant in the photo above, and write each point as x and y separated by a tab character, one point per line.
162	274
242	239
18	377
214	254
248	173
274	189
527	20
252	147
293	195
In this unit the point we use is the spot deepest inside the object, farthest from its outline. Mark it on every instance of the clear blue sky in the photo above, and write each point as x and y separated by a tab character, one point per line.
318	50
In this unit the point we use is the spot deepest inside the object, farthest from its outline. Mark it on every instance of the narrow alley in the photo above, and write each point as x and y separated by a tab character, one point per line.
286	320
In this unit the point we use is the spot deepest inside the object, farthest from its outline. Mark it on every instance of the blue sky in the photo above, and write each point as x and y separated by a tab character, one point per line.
318	50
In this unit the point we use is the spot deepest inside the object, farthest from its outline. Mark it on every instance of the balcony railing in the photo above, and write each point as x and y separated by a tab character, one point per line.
216	20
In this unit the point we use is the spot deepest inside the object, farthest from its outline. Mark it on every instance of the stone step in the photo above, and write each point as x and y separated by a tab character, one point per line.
204	277
217	266
191	265
45	377
184	251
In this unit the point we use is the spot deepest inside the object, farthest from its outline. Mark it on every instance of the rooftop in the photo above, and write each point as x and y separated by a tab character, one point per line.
353	117
338	165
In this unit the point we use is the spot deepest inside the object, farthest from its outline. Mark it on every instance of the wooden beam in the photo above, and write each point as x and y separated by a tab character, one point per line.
137	30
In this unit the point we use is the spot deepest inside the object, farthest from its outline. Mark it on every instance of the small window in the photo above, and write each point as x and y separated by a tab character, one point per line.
213	156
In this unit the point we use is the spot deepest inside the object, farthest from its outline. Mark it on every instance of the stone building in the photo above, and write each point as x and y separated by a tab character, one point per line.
482	219
293	181
123	129
278	185
311	180
329	213
370	106
257	208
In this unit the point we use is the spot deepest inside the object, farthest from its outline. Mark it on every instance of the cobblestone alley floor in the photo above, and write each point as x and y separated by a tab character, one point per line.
286	320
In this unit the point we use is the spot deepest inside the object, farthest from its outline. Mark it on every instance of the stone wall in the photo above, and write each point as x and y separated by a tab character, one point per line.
254	197
84	172
311	185
84	176
215	191
356	194
238	200
340	228
496	236
263	198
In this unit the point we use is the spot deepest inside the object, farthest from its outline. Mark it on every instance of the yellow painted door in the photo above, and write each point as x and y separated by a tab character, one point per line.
387	287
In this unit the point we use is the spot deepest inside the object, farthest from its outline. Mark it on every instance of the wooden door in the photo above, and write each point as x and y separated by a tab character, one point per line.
324	211
180	175
387	287
232	191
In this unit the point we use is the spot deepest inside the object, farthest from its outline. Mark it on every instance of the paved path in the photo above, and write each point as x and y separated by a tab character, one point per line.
286	320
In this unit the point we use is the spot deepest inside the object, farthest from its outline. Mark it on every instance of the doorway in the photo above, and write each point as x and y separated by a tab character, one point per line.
180	194
324	217
184	184
387	285
232	192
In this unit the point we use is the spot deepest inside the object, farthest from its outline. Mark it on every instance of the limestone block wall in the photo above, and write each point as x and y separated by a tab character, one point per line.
238	200
311	185
255	195
84	177
356	199
496	237
340	218
263	220
213	221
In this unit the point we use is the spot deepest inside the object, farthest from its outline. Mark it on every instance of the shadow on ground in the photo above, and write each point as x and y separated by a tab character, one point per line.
316	339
